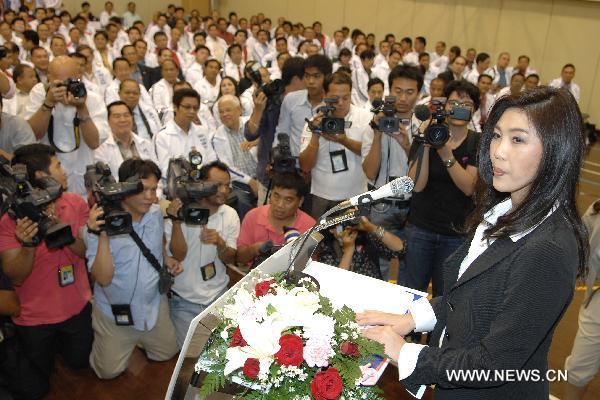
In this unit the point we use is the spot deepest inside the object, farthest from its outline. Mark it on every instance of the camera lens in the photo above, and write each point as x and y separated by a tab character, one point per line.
437	135
117	222
331	125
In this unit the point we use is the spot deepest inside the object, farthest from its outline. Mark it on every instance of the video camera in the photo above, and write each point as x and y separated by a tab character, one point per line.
108	194
271	89
183	182
282	160
437	133
22	200
388	123
329	124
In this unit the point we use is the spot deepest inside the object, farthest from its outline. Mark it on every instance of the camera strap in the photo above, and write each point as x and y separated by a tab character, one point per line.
146	251
75	133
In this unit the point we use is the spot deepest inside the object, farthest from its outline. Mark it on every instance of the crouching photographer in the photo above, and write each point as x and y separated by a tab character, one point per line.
130	305
42	255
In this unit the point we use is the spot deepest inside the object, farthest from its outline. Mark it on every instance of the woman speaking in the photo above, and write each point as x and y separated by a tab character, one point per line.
509	285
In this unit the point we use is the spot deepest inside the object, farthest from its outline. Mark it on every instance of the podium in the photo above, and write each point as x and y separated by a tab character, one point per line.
340	286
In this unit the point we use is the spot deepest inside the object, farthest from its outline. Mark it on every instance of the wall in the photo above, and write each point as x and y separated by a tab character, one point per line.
551	32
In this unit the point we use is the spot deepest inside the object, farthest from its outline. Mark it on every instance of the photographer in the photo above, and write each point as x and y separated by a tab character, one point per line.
72	121
204	249
128	308
334	159
265	116
358	247
387	153
52	285
442	197
264	226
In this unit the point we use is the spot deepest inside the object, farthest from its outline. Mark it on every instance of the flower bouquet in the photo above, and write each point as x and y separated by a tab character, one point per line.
282	341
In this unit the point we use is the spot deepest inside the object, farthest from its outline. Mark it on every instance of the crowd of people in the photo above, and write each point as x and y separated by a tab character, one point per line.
79	89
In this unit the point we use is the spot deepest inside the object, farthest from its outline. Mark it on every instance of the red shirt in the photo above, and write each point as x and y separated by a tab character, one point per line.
43	300
256	227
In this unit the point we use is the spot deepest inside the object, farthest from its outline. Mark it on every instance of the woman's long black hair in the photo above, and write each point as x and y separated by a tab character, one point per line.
555	115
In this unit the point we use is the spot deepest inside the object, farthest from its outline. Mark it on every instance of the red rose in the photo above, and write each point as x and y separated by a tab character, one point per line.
349	349
326	385
290	352
251	368
237	339
263	288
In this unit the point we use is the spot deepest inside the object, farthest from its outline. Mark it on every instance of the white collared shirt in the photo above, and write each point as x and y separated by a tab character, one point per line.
194	73
421	310
162	96
208	93
109	153
173	142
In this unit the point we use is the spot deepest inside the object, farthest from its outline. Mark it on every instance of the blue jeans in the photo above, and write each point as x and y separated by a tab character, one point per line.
183	312
426	252
392	219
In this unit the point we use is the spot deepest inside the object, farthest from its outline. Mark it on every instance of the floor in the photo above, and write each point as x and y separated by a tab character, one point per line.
148	380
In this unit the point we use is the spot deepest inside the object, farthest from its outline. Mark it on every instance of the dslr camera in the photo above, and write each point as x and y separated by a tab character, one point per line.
108	194
183	182
75	86
271	89
329	124
23	200
388	123
282	160
437	133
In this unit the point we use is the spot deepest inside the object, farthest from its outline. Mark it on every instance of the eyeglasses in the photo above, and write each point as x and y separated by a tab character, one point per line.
189	107
456	103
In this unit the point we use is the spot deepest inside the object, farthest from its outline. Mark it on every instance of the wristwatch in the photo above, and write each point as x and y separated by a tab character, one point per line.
449	163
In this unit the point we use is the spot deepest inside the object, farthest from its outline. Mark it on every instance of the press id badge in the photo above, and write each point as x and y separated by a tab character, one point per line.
122	313
66	275
339	162
208	271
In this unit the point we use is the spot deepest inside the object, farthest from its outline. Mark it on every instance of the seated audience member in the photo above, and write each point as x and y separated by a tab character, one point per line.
436	92
265	226
566	81
52	284
146	122
438	59
235	66
482	64
25	79
358	247
94	74
229	86
455	71
40	61
484	84
18	376
181	134
501	72
233	149
195	71
523	66
360	78
122	144
162	91
205	251
344	60
334	159
532	81
208	86
14	132
382	71
517	80
128	308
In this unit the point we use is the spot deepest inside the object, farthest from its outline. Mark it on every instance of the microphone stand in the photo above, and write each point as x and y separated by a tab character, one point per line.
294	275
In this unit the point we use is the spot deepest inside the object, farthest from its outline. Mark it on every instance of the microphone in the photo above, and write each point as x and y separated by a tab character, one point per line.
290	234
394	188
422	112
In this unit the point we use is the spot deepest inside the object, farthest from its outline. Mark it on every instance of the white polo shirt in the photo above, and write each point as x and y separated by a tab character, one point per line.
190	284
353	181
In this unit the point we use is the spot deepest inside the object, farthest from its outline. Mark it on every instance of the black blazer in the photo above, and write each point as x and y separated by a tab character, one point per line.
149	75
501	314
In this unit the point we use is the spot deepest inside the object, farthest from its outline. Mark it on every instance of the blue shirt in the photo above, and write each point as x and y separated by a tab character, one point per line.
134	281
294	109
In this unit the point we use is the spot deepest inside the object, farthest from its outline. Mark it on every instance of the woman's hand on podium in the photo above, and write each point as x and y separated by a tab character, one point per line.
401	324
